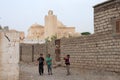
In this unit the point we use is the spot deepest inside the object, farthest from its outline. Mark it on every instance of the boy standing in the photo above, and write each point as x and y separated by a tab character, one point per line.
67	62
49	64
41	64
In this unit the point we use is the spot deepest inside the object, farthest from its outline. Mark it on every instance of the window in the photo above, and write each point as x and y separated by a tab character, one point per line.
118	26
115	23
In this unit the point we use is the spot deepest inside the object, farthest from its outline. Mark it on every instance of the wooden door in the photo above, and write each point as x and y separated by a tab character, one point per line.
57	50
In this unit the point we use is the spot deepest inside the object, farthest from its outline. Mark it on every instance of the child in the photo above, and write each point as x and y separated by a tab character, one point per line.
49	64
41	64
67	62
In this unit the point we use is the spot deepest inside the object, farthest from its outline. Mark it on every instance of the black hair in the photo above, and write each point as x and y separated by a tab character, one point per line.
68	55
41	54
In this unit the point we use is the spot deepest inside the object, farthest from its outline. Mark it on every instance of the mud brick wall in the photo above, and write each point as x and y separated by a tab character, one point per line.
103	15
39	49
100	52
51	50
30	52
26	52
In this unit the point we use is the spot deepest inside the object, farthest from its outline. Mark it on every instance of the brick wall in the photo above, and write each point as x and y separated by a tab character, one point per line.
39	49
103	15
26	52
30	52
51	50
98	51
101	52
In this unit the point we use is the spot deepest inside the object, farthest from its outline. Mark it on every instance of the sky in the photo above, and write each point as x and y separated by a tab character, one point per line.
21	14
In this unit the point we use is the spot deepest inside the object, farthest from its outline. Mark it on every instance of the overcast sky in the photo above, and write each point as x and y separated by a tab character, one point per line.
21	14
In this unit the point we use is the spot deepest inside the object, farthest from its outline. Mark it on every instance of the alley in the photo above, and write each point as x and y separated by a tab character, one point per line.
30	72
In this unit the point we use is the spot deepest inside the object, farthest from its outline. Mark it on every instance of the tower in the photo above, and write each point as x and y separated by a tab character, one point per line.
50	24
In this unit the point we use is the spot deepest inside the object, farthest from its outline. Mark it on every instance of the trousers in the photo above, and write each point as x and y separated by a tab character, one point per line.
41	69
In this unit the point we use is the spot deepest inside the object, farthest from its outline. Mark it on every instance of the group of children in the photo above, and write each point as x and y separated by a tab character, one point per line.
48	61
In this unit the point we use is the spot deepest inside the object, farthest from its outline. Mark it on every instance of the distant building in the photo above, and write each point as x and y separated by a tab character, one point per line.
6	29
35	34
53	28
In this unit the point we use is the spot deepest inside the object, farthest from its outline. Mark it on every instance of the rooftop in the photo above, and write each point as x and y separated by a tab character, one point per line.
36	25
103	3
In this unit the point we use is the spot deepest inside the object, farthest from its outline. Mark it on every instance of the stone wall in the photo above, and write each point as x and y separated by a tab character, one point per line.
104	14
51	50
39	49
101	52
30	52
26	52
98	51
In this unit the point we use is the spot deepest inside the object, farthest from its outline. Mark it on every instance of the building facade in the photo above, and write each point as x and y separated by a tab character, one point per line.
53	28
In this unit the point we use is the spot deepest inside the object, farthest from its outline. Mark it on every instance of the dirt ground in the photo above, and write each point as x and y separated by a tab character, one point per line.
30	72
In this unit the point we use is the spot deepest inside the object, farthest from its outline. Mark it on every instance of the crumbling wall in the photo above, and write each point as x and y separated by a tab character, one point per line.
9	55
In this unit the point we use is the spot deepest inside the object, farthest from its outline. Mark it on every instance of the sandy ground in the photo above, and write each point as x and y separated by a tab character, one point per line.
30	72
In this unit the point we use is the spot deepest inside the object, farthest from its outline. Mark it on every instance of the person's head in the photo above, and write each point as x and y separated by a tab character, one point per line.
41	55
48	55
68	56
